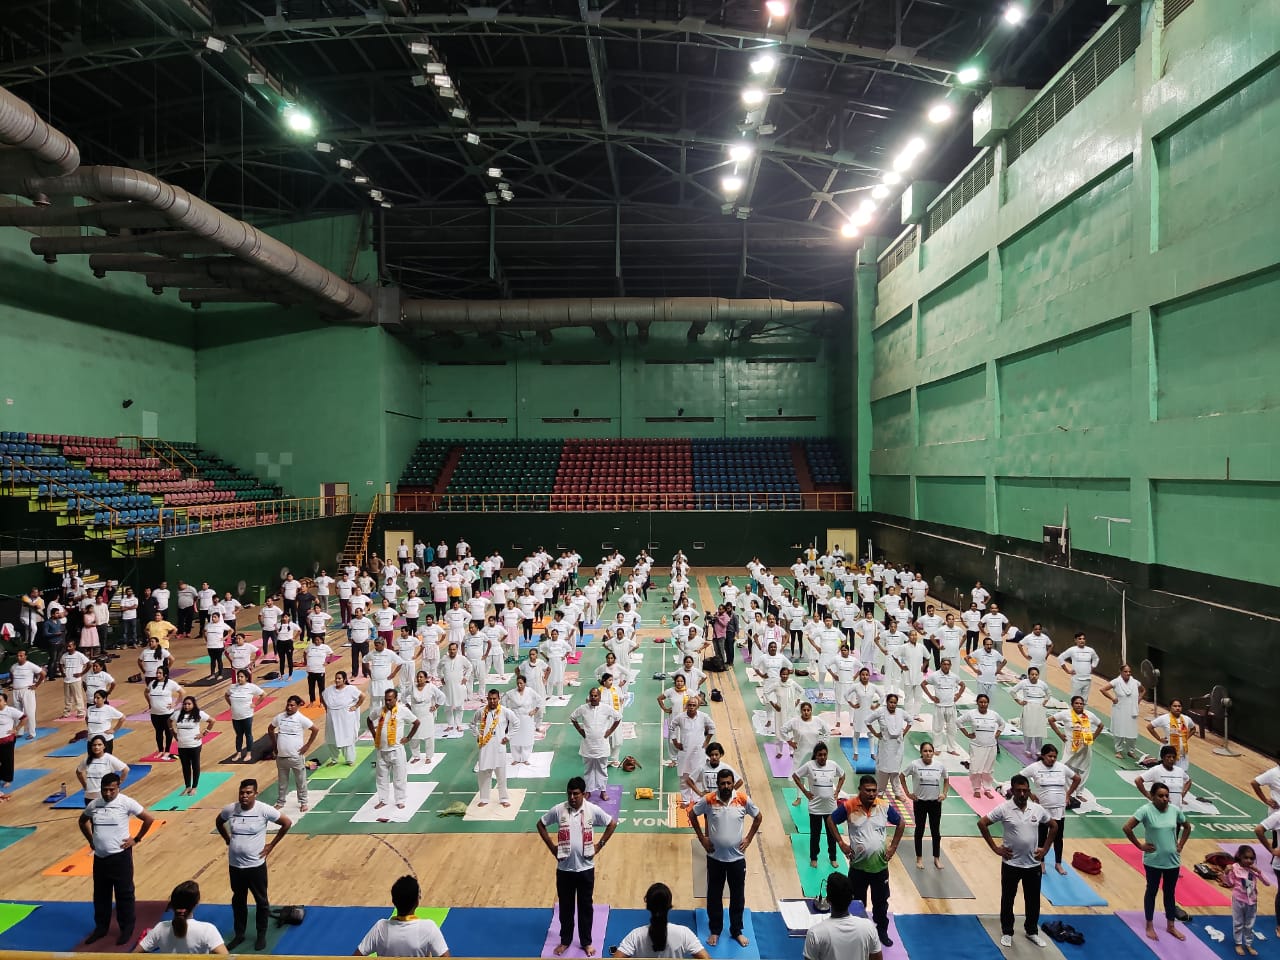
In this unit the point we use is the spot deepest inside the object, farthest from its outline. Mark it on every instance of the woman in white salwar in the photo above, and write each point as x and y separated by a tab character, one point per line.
783	698
423	699
455	674
1031	693
890	727
525	704
983	726
342	704
1126	694
1077	730
557	652
864	700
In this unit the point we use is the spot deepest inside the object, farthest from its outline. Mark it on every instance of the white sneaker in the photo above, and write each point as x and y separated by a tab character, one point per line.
1038	940
1006	941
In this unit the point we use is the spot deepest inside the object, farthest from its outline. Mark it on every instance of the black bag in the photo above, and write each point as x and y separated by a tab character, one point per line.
717	696
289	916
713	665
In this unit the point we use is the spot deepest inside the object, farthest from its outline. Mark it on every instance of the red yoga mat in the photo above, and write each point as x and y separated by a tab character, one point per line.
1192	891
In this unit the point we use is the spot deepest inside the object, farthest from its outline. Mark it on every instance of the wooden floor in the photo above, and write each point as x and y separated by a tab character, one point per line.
483	869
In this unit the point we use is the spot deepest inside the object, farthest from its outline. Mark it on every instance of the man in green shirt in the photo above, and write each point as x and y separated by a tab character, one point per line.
1166	829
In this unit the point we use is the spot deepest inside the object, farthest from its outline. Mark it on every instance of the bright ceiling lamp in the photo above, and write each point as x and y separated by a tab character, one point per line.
731	184
472	138
298	120
940	112
849	230
776	8
892	178
495	172
862	218
1014	14
765	63
968	75
741	151
915	146
879	192
903	161
753	96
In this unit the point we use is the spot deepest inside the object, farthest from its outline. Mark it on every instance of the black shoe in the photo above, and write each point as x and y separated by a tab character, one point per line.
125	937
260	944
235	941
95	936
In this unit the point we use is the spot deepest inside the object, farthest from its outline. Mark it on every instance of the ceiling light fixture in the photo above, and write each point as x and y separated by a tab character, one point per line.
375	194
940	112
385	205
915	146
862	218
765	63
1014	14
776	8
345	164
880	191
435	67
741	151
322	147
459	113
298	120
892	178
421	49
360	178
731	184
216	45
442	80
753	96
472	138
968	75
849	230
418	80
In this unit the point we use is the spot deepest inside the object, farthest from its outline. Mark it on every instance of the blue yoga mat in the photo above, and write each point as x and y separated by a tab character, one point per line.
81	747
772	938
1103	936
283	681
1069	891
53	928
622	922
728	947
473	932
11	835
41	733
864	763
963	935
75	801
24	778
1227	948
329	931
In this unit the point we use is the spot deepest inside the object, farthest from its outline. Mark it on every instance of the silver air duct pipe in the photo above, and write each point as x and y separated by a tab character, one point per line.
483	316
40	150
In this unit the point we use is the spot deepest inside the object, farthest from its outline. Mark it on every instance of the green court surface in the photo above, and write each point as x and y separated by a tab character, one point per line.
1110	781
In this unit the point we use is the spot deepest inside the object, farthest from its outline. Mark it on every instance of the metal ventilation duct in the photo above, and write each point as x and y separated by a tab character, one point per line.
41	150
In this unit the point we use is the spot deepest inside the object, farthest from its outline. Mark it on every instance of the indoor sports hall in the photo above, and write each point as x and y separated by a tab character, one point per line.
609	344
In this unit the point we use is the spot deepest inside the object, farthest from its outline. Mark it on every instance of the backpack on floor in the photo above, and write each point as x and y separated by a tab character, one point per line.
1086	864
717	696
713	665
289	916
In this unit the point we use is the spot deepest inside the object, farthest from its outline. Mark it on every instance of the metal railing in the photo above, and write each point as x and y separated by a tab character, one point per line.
617	501
164	451
14	487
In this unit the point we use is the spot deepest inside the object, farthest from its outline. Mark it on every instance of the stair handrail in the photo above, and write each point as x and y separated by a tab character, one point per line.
17	464
165	451
368	525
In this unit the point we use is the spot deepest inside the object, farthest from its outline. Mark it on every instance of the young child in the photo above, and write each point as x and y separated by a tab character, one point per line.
1243	877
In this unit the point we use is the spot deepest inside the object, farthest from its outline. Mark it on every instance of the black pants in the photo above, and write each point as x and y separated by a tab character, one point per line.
284	651
878	884
736	874
186	617
1029	877
215	661
164	736
917	609
526	625
359	650
245	881
930	810
818	827
291	608
1156	876
113	876
269	637
204	619
244	733
6	760
441	608
189	757
1057	840
730	644
970	640
579	886
315	686
344	610
797	643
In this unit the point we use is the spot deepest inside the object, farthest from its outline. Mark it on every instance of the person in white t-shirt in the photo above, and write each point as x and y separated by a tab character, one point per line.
182	934
842	936
316	656
243	826
404	934
215	642
128	617
287	731
97	764
1271	780
105	823
660	938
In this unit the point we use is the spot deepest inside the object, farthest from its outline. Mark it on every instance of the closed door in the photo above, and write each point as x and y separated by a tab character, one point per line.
846	540
335	499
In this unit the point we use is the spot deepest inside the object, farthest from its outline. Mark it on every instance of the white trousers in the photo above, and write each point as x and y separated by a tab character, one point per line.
25	700
596	773
477	671
486	781
391	774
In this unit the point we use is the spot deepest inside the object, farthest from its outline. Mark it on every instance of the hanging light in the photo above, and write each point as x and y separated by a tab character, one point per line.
765	63
753	96
940	112
849	229
298	120
968	75
776	8
1014	14
880	191
741	151
731	184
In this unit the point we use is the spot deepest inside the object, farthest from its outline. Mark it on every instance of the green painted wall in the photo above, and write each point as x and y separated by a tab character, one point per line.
725	388
76	348
1095	329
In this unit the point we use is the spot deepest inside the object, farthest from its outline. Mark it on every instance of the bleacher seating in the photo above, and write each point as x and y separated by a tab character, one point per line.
507	467
624	475
826	464
425	463
731	475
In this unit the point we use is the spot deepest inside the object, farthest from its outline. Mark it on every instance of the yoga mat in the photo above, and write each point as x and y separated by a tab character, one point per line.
811	877
80	720
779	766
149	913
11	914
495	810
538	768
225	715
154	757
209	782
1192	891
864	763
622	922
41	733
282	682
1022	949
340	771
75	801
599	923
425	767
522	932
1169	947
935	884
23	778
963	935
773	939
1270	947
80	863
260	750
51	928
416	794
1102	934
799	814
219	914
979	805
897	951
79	748
11	835
613	805
727	947
1263	861
1069	891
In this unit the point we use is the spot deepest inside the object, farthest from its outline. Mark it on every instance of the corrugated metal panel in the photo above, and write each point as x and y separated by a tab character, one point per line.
1103	58
960	193
898	254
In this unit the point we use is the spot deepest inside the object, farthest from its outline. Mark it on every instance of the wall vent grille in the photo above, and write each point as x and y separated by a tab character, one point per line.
898	254
961	192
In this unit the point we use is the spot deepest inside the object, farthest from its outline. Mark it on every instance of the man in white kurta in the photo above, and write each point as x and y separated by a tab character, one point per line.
492	727
384	668
690	732
392	727
1079	661
595	723
557	651
455	676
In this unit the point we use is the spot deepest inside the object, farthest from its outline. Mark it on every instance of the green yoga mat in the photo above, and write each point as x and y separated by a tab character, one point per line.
11	835
435	914
209	782
340	771
811	877
11	914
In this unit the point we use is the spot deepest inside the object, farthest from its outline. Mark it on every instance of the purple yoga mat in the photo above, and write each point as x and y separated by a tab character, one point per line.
1263	862
897	951
779	766
612	805
599	920
1167	947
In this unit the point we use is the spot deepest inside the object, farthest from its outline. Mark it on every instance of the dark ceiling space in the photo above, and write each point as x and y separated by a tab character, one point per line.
610	121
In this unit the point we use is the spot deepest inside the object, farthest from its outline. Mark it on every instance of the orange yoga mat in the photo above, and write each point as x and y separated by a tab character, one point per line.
80	863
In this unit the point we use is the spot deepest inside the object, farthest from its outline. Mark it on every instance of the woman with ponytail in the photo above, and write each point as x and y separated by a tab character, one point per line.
182	934
660	938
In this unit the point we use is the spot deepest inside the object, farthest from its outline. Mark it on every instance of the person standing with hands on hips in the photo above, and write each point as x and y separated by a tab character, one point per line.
1167	830
575	848
1022	854
869	817
243	825
726	853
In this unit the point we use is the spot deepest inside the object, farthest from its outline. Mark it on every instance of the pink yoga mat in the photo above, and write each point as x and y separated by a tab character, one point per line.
979	805
779	766
1168	947
1264	859
599	920
1192	891
155	757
